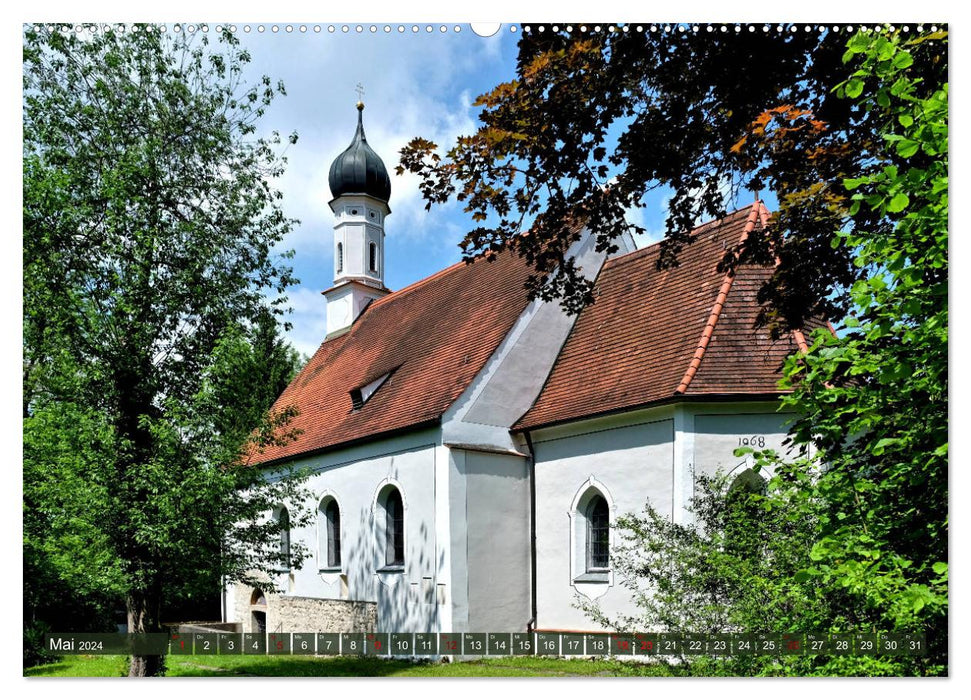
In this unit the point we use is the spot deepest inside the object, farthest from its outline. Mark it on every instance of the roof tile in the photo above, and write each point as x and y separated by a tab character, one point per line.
436	334
634	346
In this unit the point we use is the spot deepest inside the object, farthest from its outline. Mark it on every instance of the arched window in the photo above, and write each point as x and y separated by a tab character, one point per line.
373	257
340	257
394	528
747	482
329	515
598	534
590	536
743	514
283	518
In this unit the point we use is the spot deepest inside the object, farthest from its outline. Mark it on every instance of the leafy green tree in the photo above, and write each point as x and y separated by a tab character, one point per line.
149	229
850	133
874	399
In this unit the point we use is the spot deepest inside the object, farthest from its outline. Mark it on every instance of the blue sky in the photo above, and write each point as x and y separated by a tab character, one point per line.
416	84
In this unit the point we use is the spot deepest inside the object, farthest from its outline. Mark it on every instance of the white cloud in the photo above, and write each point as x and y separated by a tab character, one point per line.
415	85
309	319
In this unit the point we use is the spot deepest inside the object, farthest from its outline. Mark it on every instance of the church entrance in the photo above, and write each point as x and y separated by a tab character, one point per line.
259	621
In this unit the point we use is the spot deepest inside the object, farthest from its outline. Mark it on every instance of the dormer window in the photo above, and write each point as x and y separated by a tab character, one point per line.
360	395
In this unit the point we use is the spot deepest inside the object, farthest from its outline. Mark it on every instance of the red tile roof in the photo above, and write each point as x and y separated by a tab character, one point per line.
435	335
651	336
654	335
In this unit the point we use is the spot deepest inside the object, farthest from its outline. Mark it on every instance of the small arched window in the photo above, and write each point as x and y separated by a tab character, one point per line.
598	534
330	536
340	257
373	257
394	529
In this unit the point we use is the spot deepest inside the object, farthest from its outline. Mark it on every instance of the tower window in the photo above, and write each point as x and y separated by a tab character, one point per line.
373	257
340	257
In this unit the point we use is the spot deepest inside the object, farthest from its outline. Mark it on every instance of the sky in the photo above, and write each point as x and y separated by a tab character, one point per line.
415	84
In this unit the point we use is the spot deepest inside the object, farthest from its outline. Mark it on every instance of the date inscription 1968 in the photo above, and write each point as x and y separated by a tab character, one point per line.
751	441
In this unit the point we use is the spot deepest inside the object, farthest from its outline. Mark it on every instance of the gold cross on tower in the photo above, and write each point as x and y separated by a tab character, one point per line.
360	92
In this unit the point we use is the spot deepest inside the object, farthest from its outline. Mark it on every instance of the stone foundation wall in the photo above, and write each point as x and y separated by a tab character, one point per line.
298	614
286	613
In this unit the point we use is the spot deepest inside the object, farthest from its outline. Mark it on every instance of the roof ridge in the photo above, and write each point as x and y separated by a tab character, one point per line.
757	213
462	263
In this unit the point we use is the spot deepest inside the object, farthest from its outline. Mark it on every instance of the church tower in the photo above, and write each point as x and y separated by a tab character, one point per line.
361	188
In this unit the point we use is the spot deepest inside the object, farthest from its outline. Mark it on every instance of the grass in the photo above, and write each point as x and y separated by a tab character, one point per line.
356	666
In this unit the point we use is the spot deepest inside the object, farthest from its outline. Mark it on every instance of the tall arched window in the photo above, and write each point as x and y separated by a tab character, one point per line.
598	534
283	518
394	528
340	257
331	540
373	257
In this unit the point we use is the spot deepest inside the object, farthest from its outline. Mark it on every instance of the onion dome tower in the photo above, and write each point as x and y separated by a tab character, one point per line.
361	188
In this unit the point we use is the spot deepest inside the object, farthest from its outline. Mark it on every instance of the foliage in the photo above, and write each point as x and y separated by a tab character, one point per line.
697	112
738	566
149	225
851	135
871	553
874	399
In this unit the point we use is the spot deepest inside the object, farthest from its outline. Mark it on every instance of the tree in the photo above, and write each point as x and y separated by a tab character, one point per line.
596	119
149	228
850	133
875	398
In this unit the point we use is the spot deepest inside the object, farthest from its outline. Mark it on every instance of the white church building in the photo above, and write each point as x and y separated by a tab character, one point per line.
470	448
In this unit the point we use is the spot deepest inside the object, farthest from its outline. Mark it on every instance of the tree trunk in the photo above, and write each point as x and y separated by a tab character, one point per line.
143	610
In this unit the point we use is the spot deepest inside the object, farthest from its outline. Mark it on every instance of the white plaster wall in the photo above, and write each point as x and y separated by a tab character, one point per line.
630	458
510	381
497	514
354	477
721	429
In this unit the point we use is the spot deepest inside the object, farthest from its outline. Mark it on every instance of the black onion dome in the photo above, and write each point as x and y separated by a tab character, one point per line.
359	170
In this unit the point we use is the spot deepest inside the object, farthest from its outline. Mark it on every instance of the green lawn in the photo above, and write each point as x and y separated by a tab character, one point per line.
230	666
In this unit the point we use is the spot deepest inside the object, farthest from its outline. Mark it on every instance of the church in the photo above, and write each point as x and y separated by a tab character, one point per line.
470	448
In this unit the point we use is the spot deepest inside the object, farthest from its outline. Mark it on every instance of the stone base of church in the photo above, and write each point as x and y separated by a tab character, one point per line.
288	613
